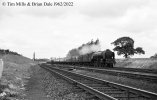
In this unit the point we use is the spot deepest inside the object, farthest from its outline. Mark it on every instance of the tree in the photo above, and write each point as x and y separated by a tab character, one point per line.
125	46
154	56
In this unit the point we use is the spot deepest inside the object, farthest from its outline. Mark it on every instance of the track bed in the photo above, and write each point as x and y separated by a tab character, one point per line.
103	89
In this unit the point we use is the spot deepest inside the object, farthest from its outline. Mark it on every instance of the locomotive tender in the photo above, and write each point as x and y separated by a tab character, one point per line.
104	58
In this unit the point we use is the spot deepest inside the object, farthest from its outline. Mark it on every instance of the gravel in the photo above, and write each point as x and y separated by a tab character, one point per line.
46	86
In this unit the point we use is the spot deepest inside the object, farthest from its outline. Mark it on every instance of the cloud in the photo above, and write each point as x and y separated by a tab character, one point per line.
52	31
109	8
52	12
140	20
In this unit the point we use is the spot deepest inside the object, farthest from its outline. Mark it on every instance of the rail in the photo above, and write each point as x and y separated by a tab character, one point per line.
130	92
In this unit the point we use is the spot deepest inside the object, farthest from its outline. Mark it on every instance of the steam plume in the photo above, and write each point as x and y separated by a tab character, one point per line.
85	49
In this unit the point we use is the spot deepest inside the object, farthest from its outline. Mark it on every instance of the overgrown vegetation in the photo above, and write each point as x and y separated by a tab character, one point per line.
3	52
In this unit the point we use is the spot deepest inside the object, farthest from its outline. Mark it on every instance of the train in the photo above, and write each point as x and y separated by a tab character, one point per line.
104	58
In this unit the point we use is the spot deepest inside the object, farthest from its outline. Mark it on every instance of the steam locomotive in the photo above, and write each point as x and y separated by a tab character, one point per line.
104	58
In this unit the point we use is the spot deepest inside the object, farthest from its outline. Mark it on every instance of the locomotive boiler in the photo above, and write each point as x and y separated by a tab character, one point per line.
104	58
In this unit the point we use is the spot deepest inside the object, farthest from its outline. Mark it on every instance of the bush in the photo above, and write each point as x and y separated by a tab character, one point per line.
155	56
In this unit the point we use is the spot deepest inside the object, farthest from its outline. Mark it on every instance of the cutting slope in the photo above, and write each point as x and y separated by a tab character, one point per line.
16	59
16	71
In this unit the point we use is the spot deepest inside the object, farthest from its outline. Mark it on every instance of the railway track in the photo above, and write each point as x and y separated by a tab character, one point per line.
104	90
88	65
149	77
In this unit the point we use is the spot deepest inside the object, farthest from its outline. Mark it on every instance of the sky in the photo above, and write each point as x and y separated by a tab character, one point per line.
51	31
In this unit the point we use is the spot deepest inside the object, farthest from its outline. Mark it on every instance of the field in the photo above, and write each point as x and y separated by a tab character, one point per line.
145	63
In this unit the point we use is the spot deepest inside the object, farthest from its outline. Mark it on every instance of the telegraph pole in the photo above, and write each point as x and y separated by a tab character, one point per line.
34	56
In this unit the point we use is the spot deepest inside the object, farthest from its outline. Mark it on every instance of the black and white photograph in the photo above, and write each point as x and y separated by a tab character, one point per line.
78	50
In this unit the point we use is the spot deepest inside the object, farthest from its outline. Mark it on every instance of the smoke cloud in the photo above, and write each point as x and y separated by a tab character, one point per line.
89	49
85	49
